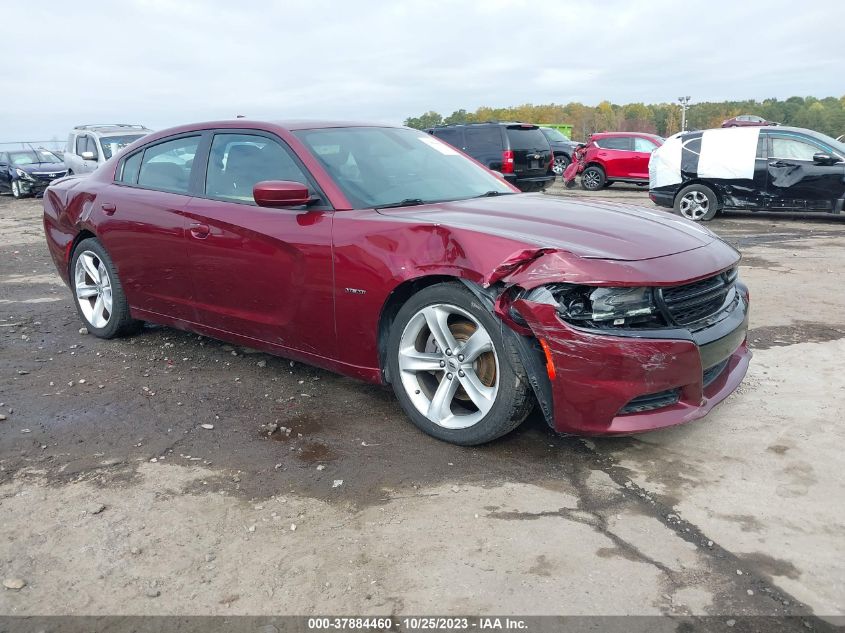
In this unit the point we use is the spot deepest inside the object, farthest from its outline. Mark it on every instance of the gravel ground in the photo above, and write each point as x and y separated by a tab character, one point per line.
172	474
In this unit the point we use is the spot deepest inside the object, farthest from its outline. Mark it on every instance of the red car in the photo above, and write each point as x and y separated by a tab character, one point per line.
384	254
610	157
744	120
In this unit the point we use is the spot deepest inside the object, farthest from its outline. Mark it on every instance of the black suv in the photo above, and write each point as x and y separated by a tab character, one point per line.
519	151
562	147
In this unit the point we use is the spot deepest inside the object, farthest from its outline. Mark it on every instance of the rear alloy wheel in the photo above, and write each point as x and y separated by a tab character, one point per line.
455	374
17	192
99	296
592	178
560	165
697	203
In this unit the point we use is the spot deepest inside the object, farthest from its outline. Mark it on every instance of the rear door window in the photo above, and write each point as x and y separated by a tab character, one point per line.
616	142
167	166
450	135
483	139
527	139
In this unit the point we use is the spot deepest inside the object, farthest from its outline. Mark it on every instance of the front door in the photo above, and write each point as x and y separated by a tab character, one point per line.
795	180
643	148
262	273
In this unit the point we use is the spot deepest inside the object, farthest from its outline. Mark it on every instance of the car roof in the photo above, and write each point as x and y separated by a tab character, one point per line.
109	128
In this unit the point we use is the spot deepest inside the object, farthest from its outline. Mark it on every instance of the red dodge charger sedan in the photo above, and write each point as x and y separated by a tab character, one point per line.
384	254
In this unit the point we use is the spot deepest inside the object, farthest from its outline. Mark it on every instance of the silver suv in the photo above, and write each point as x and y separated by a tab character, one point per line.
89	146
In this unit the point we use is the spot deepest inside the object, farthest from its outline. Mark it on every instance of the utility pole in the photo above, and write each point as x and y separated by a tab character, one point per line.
684	101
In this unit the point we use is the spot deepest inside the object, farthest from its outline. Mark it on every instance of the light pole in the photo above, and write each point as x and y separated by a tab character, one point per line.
684	101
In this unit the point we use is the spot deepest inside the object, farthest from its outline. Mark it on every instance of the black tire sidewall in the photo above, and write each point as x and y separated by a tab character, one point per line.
602	178
712	200
509	409
119	320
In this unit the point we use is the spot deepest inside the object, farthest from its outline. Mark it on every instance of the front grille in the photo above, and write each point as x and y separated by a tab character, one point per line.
46	177
651	401
697	301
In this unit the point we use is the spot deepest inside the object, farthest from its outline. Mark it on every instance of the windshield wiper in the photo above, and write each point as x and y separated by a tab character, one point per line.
491	193
407	202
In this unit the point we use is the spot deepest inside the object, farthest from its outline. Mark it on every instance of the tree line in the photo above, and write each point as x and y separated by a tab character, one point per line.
825	115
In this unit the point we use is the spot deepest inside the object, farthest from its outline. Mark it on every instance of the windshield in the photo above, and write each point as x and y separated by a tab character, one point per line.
376	166
554	135
113	144
33	157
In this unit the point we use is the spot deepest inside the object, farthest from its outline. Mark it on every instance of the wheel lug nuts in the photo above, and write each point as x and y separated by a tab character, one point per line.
448	376
461	374
442	363
461	357
448	352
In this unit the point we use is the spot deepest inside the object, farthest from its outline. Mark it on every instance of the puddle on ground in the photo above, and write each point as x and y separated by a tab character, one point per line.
798	332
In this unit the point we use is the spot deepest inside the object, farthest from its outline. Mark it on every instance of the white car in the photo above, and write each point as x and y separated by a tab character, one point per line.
89	146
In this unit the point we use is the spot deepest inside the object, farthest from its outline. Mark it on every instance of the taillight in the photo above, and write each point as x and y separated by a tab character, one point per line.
551	159
507	161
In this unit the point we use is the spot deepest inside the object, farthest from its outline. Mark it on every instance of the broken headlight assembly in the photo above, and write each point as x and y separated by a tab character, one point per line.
600	307
23	175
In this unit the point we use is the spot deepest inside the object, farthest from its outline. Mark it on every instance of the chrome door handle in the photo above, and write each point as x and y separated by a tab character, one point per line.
200	231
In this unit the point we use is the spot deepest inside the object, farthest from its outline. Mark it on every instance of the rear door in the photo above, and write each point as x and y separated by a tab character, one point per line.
532	153
485	144
454	136
795	180
262	273
144	226
616	154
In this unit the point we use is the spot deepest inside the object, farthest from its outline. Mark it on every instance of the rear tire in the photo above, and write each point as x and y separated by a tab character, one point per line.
456	374
560	165
593	178
697	202
98	293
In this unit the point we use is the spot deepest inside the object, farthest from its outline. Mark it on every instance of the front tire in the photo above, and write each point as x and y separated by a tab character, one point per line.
593	178
98	293
17	192
697	202
456	374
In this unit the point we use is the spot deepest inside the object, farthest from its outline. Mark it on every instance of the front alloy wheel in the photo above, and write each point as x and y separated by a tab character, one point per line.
455	370
17	192
448	366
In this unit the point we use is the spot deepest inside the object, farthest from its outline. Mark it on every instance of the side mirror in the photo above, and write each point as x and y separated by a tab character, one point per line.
820	158
280	194
88	156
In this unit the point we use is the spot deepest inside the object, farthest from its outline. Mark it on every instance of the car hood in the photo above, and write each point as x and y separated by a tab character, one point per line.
53	168
589	229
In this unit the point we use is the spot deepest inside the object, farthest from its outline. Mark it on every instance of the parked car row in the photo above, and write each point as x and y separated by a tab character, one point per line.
28	171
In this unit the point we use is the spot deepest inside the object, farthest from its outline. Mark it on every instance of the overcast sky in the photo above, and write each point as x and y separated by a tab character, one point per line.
162	63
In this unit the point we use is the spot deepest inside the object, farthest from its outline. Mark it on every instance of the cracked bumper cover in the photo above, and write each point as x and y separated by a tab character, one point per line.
597	374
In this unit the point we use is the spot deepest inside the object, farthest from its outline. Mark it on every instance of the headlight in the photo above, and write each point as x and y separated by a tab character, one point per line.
601	307
22	174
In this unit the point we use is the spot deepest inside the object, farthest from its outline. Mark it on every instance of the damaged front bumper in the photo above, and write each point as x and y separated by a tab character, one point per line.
623	382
